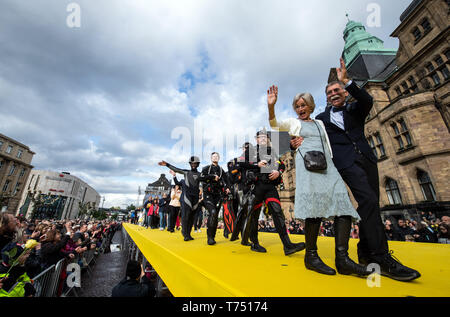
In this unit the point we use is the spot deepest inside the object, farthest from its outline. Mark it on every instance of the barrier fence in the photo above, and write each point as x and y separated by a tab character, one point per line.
134	253
53	281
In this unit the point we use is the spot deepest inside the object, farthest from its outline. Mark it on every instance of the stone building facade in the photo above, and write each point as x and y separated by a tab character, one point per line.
158	188
409	125
15	166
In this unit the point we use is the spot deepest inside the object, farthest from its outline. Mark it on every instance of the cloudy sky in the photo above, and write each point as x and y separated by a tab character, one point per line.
140	81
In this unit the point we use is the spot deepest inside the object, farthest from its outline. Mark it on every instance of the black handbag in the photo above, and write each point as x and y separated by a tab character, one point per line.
315	161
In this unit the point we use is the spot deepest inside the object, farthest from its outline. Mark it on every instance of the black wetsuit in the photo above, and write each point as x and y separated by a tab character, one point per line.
189	198
213	192
264	192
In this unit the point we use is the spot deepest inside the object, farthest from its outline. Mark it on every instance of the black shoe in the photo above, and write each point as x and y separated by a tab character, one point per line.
294	248
246	243
347	266
188	238
258	248
225	235
233	238
314	262
211	241
393	269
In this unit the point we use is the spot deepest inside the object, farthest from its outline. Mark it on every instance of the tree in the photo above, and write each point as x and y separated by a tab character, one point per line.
131	207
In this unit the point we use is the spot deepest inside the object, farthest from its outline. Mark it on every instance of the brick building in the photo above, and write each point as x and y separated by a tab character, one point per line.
409	125
15	166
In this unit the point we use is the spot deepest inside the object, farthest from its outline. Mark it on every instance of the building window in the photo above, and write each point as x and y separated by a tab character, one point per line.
445	72
12	170
19	153
426	186
1	144
426	25
393	192
413	84
16	188
447	54
405	132
380	145
5	187
22	172
439	61
398	91
1	164
9	149
436	79
372	145
417	34
398	136
430	67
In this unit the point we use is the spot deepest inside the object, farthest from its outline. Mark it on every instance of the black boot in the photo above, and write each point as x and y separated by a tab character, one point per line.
211	241
312	260
289	247
345	265
258	248
278	219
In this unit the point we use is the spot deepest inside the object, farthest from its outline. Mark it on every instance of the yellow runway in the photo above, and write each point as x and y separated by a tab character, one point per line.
228	269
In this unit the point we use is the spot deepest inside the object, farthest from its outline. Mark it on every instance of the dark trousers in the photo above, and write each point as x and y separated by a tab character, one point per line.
362	179
173	214
198	218
212	204
189	207
265	194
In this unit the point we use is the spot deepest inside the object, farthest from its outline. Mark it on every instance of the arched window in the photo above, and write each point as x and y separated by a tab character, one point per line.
426	186
393	192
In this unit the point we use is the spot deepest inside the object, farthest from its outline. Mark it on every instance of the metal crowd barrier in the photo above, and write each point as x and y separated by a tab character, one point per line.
43	282
133	253
47	282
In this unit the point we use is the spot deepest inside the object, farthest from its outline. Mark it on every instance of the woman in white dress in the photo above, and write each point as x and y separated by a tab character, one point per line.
318	194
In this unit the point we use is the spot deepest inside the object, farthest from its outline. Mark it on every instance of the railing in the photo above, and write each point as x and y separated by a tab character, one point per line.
48	282
133	253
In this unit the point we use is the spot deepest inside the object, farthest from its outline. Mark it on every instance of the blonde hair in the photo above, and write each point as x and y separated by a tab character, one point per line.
307	97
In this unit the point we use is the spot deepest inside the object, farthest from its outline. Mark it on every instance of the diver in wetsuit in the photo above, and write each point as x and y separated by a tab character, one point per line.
264	170
215	183
190	196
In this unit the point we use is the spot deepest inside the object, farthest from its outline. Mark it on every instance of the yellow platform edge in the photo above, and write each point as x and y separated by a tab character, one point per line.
228	269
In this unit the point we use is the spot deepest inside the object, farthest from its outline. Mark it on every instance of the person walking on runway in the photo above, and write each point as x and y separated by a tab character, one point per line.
215	182
190	196
264	169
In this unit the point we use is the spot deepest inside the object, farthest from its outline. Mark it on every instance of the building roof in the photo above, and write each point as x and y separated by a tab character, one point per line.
358	40
413	5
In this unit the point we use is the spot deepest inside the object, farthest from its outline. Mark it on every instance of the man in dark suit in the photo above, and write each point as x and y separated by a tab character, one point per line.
357	165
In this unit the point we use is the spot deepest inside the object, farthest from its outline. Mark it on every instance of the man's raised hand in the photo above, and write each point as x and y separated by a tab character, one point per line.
342	73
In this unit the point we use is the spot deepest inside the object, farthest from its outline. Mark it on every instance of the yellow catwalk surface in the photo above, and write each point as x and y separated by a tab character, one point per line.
228	269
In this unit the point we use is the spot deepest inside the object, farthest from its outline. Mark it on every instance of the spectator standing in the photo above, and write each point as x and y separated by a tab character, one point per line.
8	227
443	233
163	211
135	284
174	206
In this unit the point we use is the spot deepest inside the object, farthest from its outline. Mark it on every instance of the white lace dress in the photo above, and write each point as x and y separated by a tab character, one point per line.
319	194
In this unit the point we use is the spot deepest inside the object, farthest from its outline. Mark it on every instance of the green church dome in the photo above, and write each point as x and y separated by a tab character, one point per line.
359	41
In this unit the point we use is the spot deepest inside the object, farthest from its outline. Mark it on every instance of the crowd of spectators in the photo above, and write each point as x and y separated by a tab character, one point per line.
428	229
55	240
